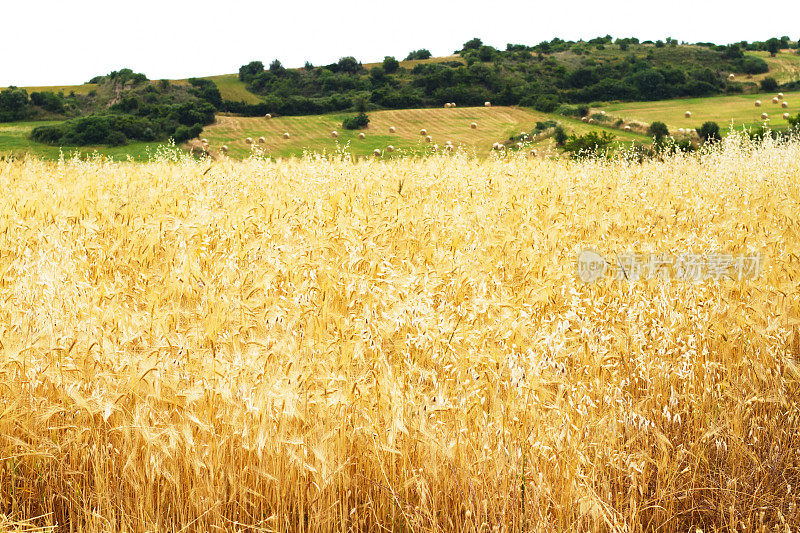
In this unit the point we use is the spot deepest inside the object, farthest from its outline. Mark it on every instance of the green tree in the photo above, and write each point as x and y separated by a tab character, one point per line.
472	44
422	53
560	136
769	84
13	104
773	46
250	70
390	64
709	132
658	130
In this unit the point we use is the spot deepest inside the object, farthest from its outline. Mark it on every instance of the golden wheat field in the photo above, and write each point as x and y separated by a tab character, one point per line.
329	345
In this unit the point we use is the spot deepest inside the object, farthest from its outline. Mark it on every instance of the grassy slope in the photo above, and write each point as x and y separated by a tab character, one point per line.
784	67
14	141
495	124
739	109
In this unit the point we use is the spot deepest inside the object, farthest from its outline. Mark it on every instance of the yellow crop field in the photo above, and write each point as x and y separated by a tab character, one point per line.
320	344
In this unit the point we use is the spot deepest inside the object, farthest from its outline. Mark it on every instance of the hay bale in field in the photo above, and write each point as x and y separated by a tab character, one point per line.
758	103
223	149
534	153
603	113
487	104
627	128
362	136
784	104
423	132
428	138
786	116
780	96
390	148
688	114
448	147
262	140
764	116
585	119
391	129
376	152
474	126
286	135
731	77
204	141
591	121
452	104
249	140
496	146
775	100
447	105
334	134
268	116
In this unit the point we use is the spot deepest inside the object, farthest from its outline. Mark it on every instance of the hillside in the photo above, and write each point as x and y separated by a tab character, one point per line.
313	133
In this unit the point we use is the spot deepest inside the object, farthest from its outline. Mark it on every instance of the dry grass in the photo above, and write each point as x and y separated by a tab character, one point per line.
323	345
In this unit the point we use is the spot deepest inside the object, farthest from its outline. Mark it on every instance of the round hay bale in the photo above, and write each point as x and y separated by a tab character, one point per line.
758	103
474	126
784	104
376	152
780	96
496	146
204	141
786	116
688	114
268	116
391	129
603	113
286	135
448	147
775	100
627	128
423	132
452	104
764	116
591	121
262	140
585	119
362	136
390	148
434	147
731	77
334	134
447	105
534	153
428	138
249	140
487	104
223	148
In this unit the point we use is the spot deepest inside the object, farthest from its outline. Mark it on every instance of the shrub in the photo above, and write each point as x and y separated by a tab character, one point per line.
357	122
590	144
390	64
709	132
546	103
658	130
422	53
560	136
769	84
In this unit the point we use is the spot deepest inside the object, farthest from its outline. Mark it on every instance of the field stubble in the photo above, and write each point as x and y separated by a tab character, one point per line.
333	346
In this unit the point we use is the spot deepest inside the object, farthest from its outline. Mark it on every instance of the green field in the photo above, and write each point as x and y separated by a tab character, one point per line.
14	141
740	110
313	133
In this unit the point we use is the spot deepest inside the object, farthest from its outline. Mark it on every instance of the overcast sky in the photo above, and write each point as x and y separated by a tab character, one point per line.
51	42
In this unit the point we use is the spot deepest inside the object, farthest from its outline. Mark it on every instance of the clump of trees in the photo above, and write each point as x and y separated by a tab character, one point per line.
531	76
139	111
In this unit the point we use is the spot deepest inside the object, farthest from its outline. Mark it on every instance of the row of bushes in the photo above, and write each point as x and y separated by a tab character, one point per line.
178	121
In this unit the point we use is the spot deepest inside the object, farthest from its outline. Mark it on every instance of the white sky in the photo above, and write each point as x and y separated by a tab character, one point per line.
51	42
